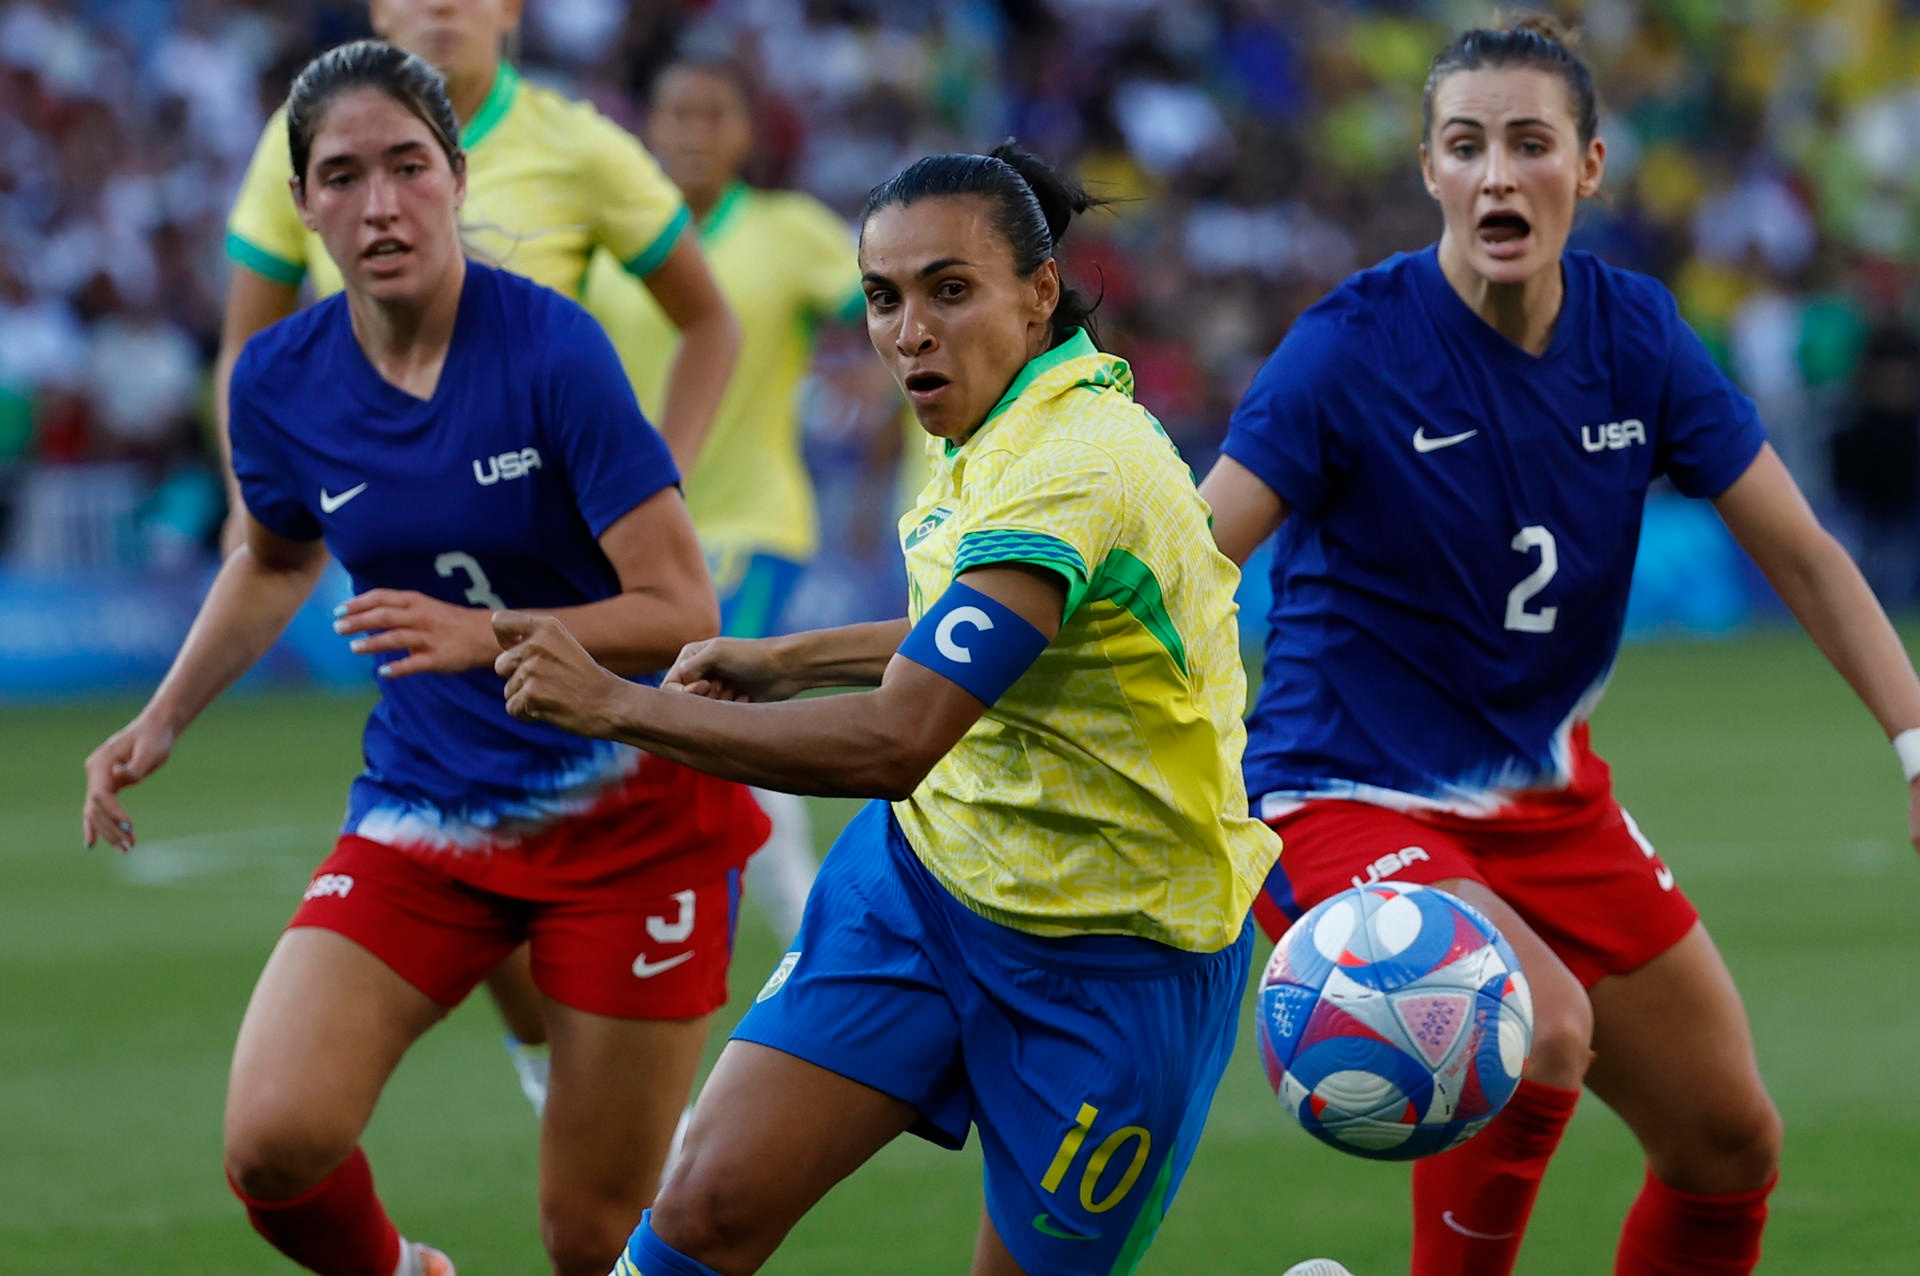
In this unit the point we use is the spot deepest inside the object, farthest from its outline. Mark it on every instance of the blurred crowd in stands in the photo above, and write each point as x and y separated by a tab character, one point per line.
1764	160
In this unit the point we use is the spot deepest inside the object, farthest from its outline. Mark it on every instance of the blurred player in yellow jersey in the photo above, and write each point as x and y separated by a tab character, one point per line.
786	264
553	189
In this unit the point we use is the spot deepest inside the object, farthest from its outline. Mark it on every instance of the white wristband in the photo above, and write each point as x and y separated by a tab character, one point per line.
1907	746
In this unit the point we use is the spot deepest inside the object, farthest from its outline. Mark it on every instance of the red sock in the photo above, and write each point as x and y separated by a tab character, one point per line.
337	1229
1470	1205
1674	1233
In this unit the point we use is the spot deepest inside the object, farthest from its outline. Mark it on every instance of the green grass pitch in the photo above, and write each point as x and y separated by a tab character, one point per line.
1765	785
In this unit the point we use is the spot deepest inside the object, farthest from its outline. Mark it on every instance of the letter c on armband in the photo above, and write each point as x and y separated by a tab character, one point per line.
991	658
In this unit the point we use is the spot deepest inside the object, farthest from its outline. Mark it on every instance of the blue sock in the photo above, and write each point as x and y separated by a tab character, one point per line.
648	1255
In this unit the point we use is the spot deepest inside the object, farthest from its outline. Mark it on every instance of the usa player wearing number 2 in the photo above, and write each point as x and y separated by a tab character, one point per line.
1455	447
461	439
1044	934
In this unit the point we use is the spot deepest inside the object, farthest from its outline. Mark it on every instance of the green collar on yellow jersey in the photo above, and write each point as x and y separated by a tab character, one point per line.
723	211
1076	346
506	81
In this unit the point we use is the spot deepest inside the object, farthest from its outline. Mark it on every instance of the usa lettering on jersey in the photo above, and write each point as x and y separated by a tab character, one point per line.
507	465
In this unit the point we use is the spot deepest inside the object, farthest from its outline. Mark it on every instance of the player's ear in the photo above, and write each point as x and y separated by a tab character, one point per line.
1046	290
299	189
377	18
1426	172
1593	166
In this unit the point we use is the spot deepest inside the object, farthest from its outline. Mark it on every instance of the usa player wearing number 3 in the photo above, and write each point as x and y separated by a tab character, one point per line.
460	438
1044	934
1455	447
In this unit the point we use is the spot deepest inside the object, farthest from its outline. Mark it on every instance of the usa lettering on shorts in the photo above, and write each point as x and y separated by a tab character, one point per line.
1389	864
339	885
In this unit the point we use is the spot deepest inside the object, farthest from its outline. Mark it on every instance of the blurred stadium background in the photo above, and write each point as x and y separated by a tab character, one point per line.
1765	161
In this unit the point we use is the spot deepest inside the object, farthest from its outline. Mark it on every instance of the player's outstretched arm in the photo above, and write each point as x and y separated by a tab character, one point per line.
969	647
1815	577
768	669
1245	510
256	593
665	602
709	347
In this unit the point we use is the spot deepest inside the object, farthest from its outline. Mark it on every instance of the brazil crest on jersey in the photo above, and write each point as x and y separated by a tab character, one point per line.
1101	793
1450	588
492	493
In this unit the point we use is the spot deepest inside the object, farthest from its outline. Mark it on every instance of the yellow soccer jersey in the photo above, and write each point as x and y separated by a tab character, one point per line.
551	184
1102	794
784	262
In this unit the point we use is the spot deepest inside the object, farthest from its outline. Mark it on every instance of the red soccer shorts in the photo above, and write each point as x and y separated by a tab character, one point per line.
628	912
1595	890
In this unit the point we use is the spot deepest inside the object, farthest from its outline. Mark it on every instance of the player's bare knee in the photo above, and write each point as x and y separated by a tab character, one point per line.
277	1163
1562	1032
584	1240
704	1218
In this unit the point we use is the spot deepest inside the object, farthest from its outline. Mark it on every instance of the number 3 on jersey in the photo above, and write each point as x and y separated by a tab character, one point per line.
1525	541
479	588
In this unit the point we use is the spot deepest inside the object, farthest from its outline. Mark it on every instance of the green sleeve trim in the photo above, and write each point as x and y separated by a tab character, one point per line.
654	255
1130	584
986	549
244	252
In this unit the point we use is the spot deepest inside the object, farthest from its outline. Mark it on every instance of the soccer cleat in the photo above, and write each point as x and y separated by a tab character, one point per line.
1317	1267
422	1260
530	1064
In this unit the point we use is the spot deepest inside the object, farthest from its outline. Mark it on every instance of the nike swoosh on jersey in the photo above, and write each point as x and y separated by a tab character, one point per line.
1421	443
1043	1224
328	504
644	969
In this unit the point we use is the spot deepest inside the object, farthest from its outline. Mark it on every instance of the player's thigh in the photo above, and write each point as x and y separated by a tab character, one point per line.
1674	1057
770	1135
326	1026
517	999
1562	1013
616	1092
1092	1078
1329	846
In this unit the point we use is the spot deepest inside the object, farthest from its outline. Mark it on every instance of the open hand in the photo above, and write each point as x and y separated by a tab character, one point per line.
551	678
129	756
437	637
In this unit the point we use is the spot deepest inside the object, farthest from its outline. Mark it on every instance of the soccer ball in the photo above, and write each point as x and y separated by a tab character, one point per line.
1394	1021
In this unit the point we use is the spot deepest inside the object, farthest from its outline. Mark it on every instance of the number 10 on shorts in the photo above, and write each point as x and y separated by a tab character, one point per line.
1110	1149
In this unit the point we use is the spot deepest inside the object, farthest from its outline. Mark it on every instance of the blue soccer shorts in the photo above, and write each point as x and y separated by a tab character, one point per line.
1088	1064
754	590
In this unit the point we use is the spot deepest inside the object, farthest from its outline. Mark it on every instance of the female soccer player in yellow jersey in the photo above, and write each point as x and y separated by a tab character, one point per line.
785	263
552	186
1042	932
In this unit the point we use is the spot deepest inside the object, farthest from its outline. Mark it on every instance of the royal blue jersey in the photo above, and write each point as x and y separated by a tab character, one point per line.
492	494
1449	590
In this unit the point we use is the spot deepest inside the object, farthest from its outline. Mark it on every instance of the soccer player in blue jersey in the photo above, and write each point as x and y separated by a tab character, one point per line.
461	439
1455	447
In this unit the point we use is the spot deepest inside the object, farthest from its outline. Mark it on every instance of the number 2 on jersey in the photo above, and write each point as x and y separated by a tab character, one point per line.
479	588
1525	541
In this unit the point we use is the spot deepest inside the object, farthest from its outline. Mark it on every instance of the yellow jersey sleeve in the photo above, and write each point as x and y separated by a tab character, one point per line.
1058	504
830	260
264	233
638	214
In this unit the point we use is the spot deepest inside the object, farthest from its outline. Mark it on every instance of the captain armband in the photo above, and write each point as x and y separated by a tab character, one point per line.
975	641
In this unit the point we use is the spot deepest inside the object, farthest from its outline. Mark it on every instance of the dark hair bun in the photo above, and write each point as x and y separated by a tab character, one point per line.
1544	25
1060	197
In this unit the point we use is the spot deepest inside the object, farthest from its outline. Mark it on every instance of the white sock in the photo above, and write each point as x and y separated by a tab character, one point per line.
409	1264
531	1064
781	874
